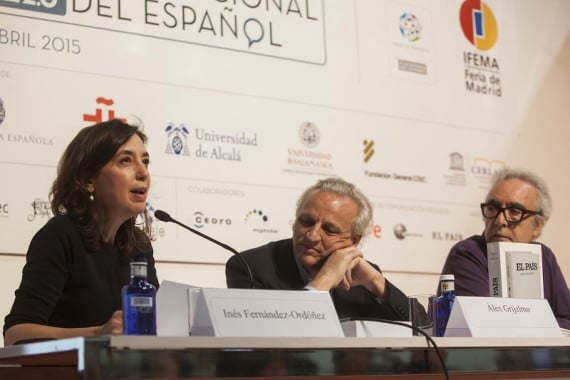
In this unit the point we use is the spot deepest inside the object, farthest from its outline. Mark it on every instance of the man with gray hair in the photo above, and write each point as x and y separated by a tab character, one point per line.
332	217
516	209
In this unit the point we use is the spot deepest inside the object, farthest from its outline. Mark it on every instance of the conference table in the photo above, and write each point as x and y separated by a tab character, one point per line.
195	357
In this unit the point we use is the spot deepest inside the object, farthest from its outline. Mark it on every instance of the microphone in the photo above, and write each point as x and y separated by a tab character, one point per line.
165	217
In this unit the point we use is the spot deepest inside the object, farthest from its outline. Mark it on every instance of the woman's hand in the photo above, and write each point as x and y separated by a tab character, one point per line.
114	325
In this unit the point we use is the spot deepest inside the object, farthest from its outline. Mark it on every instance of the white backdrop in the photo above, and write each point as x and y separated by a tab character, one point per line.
263	98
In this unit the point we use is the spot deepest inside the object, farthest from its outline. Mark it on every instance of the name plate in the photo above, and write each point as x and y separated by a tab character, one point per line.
501	317
265	313
173	308
373	329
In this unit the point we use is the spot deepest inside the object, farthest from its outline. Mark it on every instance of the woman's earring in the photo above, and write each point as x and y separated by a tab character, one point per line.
91	197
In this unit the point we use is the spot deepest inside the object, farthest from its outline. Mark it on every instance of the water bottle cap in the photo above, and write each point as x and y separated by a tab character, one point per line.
446	277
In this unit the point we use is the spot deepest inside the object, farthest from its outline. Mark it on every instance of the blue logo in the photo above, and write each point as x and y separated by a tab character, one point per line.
177	137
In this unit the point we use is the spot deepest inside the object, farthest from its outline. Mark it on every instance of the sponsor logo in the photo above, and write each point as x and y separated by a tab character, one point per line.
307	160
478	24
258	215
3	210
156	229
395	176
177	140
240	138
21	138
410	27
456	175
201	220
401	232
309	135
483	169
377	231
208	144
482	73
447	236
150	210
26	139
411	54
259	220
368	150
456	161
41	209
2	111
412	66
383	174
104	105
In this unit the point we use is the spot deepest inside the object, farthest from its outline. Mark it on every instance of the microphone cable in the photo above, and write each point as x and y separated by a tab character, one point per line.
429	339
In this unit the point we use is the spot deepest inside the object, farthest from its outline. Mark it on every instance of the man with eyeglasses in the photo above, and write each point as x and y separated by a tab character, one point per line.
516	209
331	220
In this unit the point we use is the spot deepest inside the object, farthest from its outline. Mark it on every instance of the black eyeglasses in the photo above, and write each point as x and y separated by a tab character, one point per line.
512	214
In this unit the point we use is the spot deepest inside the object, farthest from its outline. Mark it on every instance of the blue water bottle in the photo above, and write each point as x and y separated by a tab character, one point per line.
139	302
443	303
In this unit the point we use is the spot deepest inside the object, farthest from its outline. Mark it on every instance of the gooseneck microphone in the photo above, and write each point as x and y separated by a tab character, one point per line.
165	217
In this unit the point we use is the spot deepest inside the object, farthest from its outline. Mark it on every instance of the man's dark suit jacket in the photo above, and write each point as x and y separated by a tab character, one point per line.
274	267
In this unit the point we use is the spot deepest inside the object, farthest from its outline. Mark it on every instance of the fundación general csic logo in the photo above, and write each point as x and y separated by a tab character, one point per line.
410	27
478	24
368	150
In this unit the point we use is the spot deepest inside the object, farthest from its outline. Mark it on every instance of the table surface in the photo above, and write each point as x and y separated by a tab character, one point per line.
145	357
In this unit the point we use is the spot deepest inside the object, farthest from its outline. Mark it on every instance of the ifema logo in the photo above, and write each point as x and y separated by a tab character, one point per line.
478	24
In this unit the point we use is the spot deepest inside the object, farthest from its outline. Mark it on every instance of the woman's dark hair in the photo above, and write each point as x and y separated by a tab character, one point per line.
91	149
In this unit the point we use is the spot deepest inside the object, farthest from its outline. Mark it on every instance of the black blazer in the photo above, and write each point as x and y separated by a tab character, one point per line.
274	267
